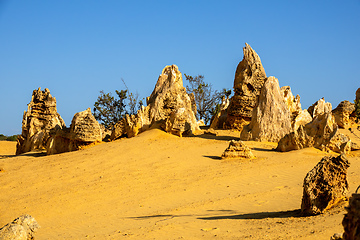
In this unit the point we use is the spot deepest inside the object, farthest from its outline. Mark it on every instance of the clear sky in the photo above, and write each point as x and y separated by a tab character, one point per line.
77	48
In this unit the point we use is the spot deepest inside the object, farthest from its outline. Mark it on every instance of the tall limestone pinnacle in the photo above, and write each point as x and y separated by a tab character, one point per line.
249	78
40	118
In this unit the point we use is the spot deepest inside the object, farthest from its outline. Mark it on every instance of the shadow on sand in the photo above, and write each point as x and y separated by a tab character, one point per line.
216	137
260	215
30	154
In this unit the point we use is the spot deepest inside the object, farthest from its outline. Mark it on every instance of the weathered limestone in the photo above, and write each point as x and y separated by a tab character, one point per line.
168	97
271	119
40	118
298	116
321	133
325	185
237	149
351	221
292	102
218	120
320	107
84	130
249	78
168	105
300	119
22	228
342	114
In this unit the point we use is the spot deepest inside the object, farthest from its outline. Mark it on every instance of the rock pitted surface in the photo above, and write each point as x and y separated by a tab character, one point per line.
298	116
40	118
84	130
237	149
249	78
169	105
22	228
351	221
321	133
325	185
320	107
271	119
342	114
168	97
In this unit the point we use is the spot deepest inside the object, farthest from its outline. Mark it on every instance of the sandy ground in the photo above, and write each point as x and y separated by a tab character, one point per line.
159	186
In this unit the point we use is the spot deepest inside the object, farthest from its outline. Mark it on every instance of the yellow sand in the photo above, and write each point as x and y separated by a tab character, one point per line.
159	186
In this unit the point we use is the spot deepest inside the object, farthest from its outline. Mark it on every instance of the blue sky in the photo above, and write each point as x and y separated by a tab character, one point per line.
77	48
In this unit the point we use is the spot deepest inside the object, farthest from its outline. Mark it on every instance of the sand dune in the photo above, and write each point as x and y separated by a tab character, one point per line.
159	186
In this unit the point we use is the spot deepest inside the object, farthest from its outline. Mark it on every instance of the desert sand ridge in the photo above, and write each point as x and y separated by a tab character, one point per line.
160	186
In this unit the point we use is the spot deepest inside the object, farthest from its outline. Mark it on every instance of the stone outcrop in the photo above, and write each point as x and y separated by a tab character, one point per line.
293	103
342	114
168	97
325	185
351	221
237	149
22	228
271	119
321	133
218	120
40	118
298	116
249	78
84	130
320	107
169	105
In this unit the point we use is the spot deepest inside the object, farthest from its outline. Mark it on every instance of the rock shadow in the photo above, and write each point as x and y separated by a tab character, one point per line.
216	137
213	157
261	215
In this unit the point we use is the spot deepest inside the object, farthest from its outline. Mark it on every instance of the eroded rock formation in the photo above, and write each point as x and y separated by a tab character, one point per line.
271	119
40	118
249	78
168	97
22	228
237	149
351	221
325	185
321	133
84	130
320	107
169	105
298	116
218	120
342	114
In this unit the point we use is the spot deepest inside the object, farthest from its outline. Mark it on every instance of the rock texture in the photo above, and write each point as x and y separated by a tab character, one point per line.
237	149
40	118
168	98
320	107
325	185
298	117
169	105
342	114
22	228
218	120
351	221
321	133
84	130
249	78
293	103
271	119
